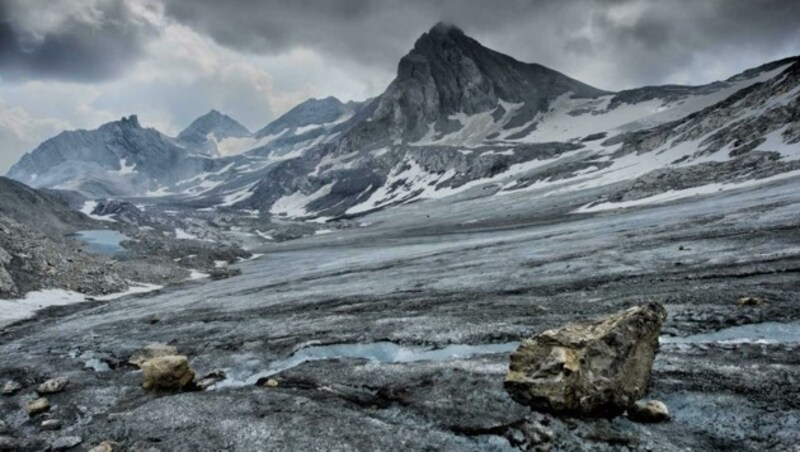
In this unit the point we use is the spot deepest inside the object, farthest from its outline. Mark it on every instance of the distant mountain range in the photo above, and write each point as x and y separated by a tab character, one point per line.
459	120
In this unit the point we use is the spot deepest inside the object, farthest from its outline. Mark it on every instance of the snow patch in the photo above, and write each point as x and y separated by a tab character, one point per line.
686	193
124	168
25	308
87	209
184	235
294	205
196	274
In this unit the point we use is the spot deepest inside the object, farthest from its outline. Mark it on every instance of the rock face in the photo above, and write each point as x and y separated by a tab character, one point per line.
7	286
167	372
596	368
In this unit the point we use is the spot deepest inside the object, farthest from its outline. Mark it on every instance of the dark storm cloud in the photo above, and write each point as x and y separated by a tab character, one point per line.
650	40
93	43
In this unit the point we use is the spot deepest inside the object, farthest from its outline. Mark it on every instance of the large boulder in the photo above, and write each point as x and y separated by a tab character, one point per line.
597	368
167	372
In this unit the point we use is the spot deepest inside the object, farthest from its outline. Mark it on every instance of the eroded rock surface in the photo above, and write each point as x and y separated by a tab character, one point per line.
595	368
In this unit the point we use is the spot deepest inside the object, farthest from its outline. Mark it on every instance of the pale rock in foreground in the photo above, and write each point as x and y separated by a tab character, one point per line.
648	411
37	406
167	372
597	368
53	385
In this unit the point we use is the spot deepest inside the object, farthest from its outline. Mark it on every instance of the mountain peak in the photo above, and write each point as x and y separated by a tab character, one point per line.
203	133
448	73
441	34
220	124
131	120
309	112
445	28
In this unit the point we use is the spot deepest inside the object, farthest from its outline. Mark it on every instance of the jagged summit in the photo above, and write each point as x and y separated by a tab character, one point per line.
442	34
132	120
125	122
443	28
205	132
215	122
447	72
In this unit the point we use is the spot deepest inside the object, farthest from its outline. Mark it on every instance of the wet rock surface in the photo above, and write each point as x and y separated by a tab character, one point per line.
494	283
596	368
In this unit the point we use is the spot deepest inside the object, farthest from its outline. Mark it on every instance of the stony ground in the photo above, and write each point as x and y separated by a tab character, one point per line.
484	271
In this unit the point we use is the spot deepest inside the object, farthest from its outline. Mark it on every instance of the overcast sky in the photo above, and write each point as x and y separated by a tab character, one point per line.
79	63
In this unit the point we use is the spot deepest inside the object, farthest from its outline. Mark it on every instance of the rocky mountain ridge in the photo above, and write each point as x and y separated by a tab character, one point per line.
458	120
